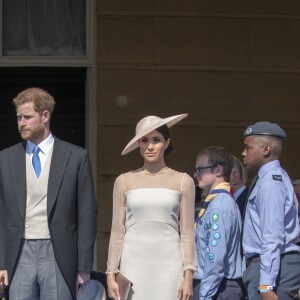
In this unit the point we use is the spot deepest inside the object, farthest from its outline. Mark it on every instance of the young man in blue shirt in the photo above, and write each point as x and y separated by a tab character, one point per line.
271	226
218	228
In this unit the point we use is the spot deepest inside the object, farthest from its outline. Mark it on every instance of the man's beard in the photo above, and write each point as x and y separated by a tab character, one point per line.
26	134
30	134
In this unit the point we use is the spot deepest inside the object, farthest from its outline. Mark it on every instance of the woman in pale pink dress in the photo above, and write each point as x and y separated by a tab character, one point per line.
150	204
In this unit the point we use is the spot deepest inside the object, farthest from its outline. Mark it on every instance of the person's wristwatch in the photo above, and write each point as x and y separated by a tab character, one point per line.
265	288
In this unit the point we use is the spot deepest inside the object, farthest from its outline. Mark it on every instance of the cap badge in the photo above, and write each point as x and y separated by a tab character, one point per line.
249	130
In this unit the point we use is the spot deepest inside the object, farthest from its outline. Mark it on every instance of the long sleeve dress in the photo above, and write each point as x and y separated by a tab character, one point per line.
152	238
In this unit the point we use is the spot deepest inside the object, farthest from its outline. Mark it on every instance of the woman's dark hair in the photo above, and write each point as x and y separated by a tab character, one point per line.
165	132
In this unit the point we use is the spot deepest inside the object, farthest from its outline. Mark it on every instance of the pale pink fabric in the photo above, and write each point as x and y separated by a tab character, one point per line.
138	183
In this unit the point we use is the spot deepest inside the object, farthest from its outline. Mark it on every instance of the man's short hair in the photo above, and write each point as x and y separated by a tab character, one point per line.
241	168
219	156
41	99
296	182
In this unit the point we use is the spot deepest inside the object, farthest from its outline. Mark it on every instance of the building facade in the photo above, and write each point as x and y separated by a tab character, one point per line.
225	63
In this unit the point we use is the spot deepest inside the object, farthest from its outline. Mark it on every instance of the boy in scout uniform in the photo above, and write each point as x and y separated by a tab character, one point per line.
218	228
271	227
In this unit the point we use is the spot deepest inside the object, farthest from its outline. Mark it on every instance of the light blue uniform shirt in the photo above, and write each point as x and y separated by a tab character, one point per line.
271	226
218	236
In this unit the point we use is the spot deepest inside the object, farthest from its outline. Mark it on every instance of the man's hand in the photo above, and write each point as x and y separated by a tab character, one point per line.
268	296
82	279
3	273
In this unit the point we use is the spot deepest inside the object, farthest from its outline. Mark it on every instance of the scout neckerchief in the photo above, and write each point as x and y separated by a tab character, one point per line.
223	187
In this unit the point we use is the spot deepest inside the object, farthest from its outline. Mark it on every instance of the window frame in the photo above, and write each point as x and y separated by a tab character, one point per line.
63	61
89	62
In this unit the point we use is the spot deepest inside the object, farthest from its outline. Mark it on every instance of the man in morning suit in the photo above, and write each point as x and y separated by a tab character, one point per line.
48	208
238	180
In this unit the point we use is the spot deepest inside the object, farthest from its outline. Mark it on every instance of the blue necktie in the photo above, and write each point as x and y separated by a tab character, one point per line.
36	163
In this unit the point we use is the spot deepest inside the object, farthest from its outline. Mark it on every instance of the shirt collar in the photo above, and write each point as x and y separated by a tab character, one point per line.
45	145
239	191
267	167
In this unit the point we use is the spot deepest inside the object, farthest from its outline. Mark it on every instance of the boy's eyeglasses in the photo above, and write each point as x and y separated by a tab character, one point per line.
199	169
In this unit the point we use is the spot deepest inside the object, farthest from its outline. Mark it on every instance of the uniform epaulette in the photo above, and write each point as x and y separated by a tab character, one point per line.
277	177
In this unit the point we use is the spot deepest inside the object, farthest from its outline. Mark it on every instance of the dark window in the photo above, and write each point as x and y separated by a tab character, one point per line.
44	28
66	85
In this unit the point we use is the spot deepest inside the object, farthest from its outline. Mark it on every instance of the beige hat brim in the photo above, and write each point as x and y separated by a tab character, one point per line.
157	122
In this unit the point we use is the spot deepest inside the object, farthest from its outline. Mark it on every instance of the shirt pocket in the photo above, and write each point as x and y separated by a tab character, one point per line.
254	193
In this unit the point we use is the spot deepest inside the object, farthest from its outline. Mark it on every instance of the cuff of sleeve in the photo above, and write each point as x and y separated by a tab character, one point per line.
266	279
190	267
112	271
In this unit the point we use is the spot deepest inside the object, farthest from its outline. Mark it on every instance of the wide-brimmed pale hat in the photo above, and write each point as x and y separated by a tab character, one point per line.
149	124
94	290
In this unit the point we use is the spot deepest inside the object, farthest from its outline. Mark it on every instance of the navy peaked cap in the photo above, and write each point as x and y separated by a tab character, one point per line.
265	128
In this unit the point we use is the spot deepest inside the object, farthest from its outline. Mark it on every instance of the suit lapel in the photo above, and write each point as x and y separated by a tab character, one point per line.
243	195
60	158
18	169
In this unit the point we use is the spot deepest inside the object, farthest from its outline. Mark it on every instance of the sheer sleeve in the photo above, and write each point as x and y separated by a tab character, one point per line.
118	226
187	223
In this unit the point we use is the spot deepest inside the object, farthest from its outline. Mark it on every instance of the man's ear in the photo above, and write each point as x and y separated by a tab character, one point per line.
46	116
219	171
235	176
267	150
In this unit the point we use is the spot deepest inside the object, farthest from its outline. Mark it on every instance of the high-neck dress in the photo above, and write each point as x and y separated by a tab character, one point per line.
152	237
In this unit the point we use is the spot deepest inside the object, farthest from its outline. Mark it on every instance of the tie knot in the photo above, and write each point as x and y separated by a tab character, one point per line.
36	150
